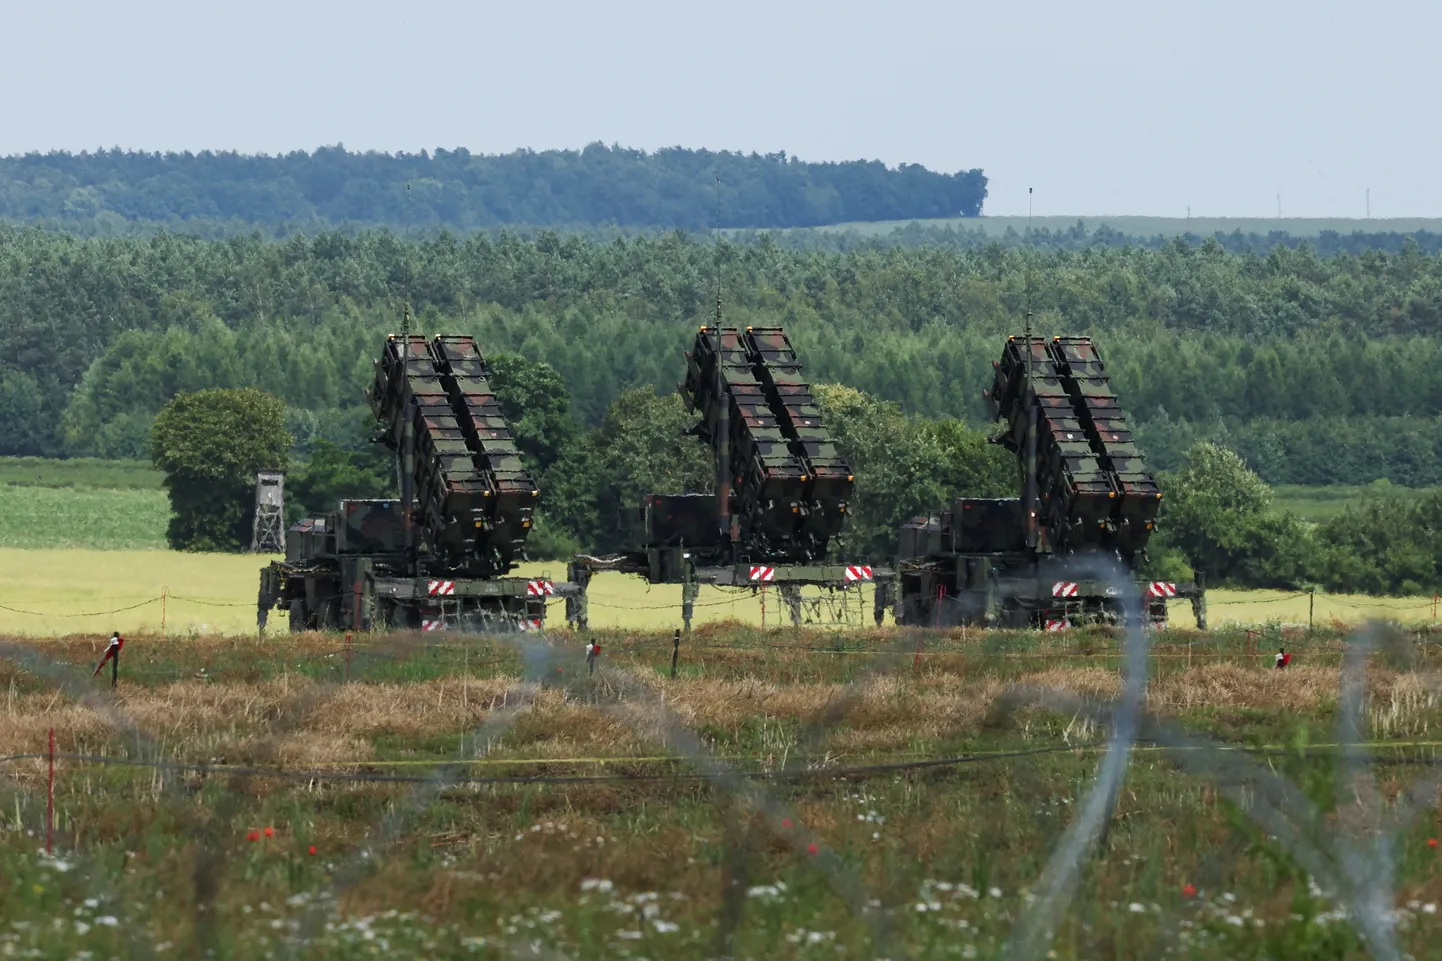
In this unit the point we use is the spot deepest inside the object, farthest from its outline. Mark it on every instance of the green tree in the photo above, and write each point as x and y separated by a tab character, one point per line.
1388	545
1218	513
967	463
536	404
905	466
596	487
334	473
30	423
210	444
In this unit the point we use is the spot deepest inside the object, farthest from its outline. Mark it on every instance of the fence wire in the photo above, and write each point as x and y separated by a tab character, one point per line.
1356	865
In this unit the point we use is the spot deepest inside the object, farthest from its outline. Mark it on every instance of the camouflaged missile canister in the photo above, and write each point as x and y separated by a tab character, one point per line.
1138	496
474	498
789	486
1093	488
1075	495
829	481
1091	492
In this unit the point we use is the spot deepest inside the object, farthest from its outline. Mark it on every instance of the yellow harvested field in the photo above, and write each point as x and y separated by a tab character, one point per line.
75	591
46	592
1262	607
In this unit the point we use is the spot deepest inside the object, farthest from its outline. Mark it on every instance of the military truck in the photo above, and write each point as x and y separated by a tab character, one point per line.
436	557
1047	559
781	493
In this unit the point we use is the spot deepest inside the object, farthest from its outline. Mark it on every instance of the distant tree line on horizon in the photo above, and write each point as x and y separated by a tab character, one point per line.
109	190
828	239
1079	236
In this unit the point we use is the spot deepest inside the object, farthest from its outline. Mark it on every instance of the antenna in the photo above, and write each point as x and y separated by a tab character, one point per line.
1029	401
1027	322
723	403
1369	203
405	320
717	253
1279	206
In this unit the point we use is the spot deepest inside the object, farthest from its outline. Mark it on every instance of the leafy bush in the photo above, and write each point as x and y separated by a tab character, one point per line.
210	444
1218	514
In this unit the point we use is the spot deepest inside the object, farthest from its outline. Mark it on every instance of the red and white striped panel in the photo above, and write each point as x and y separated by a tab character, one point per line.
1060	625
1162	589
763	573
435	588
1064	589
531	624
859	572
540	588
431	625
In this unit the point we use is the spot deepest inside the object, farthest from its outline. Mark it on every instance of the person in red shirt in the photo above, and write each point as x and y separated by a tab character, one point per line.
1283	658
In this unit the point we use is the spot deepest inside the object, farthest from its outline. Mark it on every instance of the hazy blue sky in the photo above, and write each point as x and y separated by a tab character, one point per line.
1104	107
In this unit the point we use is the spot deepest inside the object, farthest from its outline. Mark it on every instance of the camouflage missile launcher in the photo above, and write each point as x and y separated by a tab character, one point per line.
973	564
782	486
786	484
474	498
829	481
434	558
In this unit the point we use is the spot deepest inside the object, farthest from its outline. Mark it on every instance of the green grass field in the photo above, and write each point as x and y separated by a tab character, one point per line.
1317	504
1166	226
53	517
586	833
69	547
79	472
82	503
592	836
61	592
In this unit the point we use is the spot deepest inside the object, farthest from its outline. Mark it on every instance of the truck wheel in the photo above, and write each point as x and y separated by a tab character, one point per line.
297	616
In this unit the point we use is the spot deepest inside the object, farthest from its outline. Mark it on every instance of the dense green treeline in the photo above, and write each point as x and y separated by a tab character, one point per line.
1317	369
1079	236
918	233
1219	517
597	185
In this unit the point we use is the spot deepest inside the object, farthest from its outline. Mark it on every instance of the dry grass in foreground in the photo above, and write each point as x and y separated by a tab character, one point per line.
645	859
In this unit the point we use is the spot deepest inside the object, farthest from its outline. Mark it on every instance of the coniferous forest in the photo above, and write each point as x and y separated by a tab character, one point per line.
1316	370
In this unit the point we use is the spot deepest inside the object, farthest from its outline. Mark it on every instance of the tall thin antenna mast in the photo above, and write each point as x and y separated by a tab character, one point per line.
723	402
1028	282
717	250
1029	401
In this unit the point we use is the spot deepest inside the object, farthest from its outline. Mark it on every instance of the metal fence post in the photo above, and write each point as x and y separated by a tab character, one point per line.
50	800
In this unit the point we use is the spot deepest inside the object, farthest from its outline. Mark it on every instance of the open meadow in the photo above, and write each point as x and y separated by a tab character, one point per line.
1133	226
754	791
467	797
71	591
82	550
